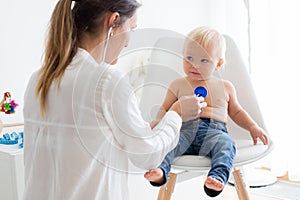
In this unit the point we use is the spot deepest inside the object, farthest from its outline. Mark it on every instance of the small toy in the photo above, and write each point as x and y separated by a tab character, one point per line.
7	105
13	138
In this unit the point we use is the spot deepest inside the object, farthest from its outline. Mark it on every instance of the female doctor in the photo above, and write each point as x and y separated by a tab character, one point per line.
84	132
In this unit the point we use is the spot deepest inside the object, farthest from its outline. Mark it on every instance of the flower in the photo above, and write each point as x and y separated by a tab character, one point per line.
14	104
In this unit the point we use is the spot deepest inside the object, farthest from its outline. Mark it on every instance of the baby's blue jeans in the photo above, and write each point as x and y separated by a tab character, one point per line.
204	137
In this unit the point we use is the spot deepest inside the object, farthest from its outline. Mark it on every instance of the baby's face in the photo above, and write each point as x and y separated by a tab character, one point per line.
199	63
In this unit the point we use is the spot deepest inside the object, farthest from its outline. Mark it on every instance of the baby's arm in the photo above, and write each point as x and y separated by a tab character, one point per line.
241	117
169	100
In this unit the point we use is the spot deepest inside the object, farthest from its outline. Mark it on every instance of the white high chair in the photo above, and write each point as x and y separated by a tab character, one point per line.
165	66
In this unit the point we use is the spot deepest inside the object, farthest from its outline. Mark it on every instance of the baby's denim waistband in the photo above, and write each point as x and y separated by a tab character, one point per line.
210	120
204	123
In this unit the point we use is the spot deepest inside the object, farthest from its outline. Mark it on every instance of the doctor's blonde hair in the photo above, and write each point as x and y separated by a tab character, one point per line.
68	25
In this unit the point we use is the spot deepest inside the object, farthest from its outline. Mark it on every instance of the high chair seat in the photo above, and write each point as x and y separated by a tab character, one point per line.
246	153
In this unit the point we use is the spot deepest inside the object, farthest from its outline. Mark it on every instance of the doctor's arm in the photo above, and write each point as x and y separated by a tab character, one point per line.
146	147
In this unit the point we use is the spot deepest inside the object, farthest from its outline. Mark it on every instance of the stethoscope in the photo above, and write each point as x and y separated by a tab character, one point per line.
106	44
200	91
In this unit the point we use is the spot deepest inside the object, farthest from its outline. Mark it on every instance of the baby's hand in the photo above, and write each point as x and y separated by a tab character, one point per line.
257	132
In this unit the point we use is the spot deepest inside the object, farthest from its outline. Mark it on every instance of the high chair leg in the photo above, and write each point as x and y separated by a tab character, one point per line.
165	191
240	184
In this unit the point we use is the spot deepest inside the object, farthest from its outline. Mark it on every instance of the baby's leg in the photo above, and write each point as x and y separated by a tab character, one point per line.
220	147
159	176
222	156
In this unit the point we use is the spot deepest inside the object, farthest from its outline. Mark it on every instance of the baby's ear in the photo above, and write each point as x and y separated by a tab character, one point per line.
220	63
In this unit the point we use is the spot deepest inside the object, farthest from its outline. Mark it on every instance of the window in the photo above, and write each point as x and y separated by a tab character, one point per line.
275	66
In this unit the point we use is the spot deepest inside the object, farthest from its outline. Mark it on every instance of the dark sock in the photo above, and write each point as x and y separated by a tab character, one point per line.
164	182
211	192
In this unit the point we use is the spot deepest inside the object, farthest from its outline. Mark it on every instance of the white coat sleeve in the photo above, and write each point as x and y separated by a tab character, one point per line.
146	148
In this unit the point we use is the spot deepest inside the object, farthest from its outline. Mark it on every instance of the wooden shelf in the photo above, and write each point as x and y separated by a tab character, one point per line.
9	125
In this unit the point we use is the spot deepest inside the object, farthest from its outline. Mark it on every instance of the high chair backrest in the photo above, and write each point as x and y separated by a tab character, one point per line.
165	65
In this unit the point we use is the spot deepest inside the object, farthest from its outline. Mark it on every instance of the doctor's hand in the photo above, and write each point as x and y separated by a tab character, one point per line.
189	107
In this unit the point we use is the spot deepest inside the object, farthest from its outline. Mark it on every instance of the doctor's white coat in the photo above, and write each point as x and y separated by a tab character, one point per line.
92	133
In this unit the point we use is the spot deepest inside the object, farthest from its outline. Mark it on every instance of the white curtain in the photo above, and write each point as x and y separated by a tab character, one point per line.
275	65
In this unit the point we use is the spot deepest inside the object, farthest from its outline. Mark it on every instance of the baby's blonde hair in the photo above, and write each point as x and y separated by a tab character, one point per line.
205	35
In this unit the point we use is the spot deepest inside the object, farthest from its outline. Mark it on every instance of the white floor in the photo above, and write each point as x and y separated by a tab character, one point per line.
192	190
282	190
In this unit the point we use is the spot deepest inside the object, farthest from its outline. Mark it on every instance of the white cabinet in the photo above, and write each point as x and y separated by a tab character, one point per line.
11	172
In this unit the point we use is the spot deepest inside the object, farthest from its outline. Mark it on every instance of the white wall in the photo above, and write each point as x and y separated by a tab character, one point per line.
229	17
22	28
275	46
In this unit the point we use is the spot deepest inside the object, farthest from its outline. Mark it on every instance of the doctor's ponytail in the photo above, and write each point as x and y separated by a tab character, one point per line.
60	49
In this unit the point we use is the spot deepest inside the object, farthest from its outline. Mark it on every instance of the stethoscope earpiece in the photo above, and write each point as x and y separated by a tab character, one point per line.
106	44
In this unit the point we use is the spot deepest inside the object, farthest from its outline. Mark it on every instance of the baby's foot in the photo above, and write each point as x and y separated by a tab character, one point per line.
213	184
155	175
